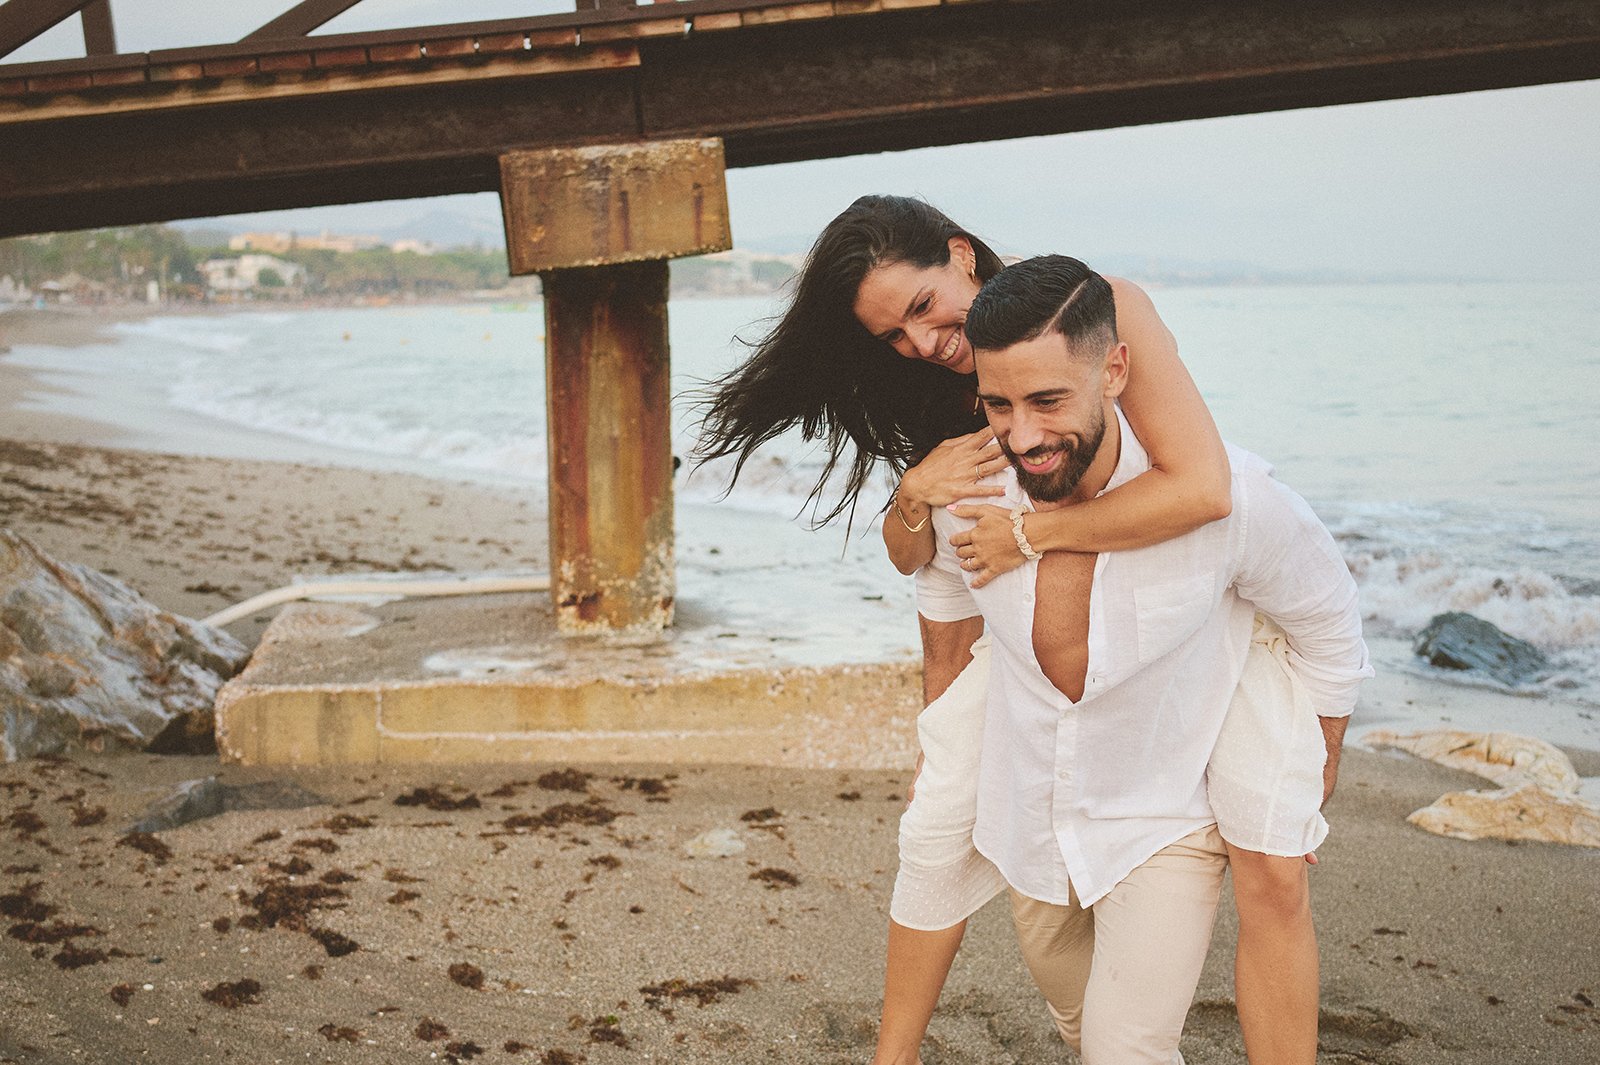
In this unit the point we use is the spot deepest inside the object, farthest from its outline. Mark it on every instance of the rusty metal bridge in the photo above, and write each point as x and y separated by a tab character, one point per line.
282	119
606	131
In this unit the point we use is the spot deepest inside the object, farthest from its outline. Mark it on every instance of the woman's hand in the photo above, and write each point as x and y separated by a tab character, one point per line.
989	548
952	470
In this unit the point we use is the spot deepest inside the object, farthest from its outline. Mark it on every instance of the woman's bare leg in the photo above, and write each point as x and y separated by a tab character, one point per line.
917	966
1275	967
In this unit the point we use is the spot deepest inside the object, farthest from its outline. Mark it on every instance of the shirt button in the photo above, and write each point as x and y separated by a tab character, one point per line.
1027	597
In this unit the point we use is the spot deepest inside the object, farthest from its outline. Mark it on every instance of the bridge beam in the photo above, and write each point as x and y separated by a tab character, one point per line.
774	91
598	225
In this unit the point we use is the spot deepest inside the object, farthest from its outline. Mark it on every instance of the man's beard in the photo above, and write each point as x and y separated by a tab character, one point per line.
1059	483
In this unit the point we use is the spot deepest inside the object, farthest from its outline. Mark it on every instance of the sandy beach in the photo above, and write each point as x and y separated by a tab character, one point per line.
195	535
550	913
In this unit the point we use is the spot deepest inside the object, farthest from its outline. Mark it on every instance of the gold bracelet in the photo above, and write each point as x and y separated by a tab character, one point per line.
919	526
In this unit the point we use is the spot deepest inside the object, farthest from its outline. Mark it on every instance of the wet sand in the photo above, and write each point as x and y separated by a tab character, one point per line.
363	921
537	933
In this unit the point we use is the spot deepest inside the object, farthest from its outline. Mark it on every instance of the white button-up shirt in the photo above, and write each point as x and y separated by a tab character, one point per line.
1084	793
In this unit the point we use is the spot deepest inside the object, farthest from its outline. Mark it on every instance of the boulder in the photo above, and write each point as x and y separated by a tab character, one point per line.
1461	641
1508	759
1538	799
86	662
196	800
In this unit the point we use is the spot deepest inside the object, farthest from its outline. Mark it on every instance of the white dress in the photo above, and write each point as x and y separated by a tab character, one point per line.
1264	783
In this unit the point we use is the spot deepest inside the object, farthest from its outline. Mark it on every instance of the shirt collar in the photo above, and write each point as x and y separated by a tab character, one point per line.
1133	460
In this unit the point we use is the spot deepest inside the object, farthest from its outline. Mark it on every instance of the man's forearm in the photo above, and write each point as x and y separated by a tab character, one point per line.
1333	737
946	650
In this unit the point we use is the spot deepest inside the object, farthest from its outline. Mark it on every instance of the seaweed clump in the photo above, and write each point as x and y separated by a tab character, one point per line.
703	992
565	780
434	797
467	975
230	996
147	843
24	904
776	879
430	1031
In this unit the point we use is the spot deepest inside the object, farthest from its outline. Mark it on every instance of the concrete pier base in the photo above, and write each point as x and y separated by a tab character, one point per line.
490	679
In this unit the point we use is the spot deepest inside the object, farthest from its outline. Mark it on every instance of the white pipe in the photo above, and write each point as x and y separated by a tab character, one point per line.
398	587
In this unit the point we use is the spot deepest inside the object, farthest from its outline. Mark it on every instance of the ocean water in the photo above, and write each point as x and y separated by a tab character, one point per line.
1448	434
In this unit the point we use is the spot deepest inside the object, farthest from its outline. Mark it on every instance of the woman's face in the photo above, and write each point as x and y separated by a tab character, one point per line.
919	311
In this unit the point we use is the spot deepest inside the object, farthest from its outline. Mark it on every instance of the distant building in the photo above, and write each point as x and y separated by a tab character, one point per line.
336	242
281	243
73	288
271	243
420	247
250	273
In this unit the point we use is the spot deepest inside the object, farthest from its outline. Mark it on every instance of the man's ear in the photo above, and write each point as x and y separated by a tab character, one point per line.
1116	370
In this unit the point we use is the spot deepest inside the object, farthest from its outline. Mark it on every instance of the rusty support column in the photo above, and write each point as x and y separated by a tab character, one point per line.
606	376
598	225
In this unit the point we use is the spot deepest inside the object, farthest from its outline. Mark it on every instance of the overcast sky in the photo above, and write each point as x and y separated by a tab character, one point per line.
1490	184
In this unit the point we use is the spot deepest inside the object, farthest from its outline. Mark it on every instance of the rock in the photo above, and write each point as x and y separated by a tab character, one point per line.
717	843
1526	812
85	661
1506	758
1461	641
1538	798
195	800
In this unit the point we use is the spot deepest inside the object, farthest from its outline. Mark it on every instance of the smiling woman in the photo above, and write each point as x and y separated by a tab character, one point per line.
823	369
929	325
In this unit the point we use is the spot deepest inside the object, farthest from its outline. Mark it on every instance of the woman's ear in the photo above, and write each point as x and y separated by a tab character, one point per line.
962	255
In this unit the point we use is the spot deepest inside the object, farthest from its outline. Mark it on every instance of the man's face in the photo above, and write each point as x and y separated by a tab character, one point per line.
1047	409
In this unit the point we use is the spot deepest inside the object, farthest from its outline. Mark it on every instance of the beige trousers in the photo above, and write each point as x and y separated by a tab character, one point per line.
1119	976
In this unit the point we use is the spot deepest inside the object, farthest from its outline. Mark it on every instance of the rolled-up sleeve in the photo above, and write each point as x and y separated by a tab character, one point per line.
942	593
1291	569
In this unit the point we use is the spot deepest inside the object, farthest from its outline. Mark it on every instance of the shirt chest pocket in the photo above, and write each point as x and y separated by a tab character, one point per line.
1170	612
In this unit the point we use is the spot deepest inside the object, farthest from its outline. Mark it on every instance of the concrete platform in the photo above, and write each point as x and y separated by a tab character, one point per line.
488	679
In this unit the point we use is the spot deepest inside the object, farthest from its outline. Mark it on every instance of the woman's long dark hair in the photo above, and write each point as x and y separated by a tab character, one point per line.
821	370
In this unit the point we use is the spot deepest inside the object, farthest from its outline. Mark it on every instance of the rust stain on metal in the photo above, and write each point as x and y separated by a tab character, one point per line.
229	68
451	47
725	20
176	71
274	64
335	58
119	77
502	42
60	83
393	53
553	39
609	412
572	207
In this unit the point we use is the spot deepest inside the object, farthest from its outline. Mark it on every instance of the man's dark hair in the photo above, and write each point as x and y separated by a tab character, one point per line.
1050	293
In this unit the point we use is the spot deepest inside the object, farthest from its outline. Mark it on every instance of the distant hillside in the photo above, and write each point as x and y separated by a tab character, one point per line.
450	229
